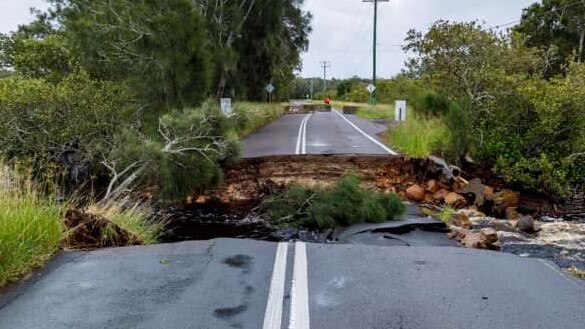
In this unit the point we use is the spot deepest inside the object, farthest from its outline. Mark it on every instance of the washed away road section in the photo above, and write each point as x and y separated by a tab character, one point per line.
225	284
317	133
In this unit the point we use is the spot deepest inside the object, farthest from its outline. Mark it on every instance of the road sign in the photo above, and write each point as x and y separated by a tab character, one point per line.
226	106
270	88
400	114
371	88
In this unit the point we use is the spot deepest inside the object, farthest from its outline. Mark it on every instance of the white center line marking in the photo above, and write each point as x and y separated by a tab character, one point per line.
375	141
299	308
304	139
273	315
300	135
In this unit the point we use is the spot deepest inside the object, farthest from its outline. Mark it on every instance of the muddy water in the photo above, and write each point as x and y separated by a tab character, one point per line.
233	220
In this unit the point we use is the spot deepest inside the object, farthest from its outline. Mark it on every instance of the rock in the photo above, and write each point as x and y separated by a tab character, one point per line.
87	231
489	234
415	193
455	200
512	213
486	238
433	186
503	200
488	192
459	183
471	213
472	240
474	192
462	221
526	225
440	195
438	167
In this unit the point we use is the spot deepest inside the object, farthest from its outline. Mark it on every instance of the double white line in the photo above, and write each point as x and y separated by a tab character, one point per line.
301	146
299	309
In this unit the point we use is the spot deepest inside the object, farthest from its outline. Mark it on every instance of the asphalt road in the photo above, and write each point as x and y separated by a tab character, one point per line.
316	133
249	284
377	279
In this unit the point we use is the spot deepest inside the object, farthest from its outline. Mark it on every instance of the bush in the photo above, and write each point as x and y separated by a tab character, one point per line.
183	158
345	203
432	104
30	227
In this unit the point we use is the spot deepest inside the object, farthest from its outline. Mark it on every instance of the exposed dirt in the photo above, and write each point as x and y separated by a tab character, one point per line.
86	231
252	179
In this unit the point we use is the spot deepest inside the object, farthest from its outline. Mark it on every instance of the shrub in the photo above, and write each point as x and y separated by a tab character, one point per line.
345	203
432	104
183	158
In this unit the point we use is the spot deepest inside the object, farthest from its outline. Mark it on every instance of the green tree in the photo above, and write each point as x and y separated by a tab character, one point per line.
159	47
269	50
506	114
559	24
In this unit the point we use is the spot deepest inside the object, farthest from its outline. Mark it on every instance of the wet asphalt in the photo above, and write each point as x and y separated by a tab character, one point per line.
396	275
327	133
225	283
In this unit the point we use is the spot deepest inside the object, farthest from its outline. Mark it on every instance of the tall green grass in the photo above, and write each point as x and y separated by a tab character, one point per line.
249	117
420	136
367	111
135	220
30	227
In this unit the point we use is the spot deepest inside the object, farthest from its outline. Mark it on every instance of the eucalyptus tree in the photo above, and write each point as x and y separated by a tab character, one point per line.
559	24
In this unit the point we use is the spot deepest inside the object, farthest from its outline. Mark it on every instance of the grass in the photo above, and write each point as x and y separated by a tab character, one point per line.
446	214
342	204
577	272
366	111
30	227
132	219
252	116
420	136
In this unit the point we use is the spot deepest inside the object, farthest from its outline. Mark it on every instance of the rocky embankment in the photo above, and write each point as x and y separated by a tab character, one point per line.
479	215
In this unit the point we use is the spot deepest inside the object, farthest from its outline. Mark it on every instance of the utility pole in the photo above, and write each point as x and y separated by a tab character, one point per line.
325	65
375	42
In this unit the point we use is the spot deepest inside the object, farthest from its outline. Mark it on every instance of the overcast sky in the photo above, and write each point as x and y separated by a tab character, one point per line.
342	29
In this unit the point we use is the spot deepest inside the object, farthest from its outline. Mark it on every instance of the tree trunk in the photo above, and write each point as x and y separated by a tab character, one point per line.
581	42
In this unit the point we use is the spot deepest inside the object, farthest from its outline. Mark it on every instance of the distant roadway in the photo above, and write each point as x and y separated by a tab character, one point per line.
317	133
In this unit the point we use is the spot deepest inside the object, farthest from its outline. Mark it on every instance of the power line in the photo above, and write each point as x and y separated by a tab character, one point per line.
550	11
351	36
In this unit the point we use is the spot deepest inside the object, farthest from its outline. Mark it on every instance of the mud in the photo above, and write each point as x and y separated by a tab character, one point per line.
253	179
